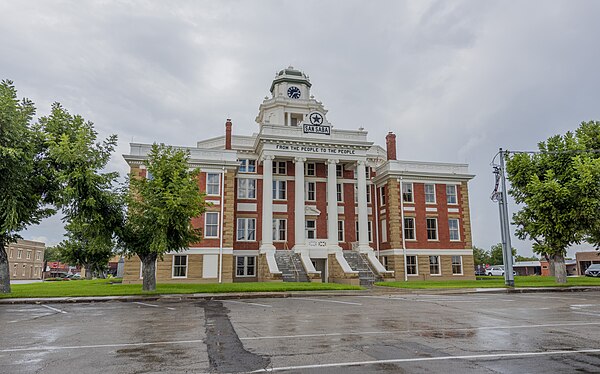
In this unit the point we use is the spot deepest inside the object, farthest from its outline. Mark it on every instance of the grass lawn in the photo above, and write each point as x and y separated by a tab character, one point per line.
495	282
103	287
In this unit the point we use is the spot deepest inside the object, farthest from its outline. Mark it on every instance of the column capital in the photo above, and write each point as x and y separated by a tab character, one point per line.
361	162
333	161
299	159
267	157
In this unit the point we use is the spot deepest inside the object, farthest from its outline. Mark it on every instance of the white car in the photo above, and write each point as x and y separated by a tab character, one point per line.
496	270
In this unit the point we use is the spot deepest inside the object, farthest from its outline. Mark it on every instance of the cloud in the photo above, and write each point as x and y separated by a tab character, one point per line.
455	81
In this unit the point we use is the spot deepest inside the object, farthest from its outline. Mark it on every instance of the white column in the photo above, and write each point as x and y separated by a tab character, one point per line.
332	212
267	205
299	218
363	216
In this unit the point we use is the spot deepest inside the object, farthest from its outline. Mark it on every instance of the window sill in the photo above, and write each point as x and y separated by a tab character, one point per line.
172	277
457	274
210	237
435	275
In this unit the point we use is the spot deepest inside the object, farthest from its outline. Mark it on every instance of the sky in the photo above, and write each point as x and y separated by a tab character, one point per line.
454	80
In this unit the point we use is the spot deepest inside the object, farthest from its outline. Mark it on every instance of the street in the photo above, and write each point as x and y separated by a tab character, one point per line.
370	333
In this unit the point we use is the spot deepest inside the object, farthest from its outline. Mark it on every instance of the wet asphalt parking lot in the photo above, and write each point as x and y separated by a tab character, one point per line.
370	333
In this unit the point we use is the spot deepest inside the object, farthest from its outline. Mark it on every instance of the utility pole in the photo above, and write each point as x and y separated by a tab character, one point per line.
509	278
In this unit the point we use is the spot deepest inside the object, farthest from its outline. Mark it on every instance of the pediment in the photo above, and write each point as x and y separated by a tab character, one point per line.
310	210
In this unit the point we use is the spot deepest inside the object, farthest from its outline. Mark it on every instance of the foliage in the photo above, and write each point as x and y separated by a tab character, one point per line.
481	256
160	209
496	257
105	287
558	192
25	191
52	254
524	258
495	282
91	206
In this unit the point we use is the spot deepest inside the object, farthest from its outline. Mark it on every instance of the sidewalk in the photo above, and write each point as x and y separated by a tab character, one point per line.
376	290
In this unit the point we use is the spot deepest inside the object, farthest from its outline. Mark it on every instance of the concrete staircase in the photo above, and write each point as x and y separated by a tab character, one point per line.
290	265
359	262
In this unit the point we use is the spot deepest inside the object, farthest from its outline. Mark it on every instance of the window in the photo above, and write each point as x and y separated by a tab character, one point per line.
29	255
311	229
356	193
430	193
279	230
245	266
409	228
384	231
340	231
246	188
368	194
457	265
454	231
339	193
14	270
451	194
434	265
19	253
368	172
180	266
211	225
23	269
412	267
11	253
407	192
311	169
369	231
384	262
432	229
38	256
310	191
279	188
382	195
279	167
246	229
339	171
149	175
212	184
247	166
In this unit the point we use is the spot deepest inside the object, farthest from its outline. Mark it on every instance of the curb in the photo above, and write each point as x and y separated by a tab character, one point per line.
381	290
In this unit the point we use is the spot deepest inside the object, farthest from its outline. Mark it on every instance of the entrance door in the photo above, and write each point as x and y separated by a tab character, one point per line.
320	264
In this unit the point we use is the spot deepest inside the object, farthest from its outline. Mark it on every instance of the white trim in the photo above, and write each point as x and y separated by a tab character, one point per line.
425	193
343	231
409	208
453	210
437	233
429	252
455	194
203	251
205	224
173	266
439	265
457	229
246	229
247	207
462	268
430	209
246	189
218	185
416	274
245	266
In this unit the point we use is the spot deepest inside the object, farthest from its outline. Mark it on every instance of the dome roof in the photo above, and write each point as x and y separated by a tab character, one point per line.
291	75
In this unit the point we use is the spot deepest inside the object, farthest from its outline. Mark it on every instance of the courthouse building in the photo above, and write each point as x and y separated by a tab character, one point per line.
26	259
303	200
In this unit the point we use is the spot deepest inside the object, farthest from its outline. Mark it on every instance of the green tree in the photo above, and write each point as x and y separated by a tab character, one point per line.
25	191
160	210
52	254
525	258
558	192
481	256
92	207
496	257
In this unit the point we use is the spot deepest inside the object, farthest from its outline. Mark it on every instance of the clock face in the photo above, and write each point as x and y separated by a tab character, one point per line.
294	92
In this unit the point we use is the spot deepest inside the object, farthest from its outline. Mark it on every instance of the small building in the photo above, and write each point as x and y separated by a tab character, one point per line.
527	267
585	259
26	259
571	266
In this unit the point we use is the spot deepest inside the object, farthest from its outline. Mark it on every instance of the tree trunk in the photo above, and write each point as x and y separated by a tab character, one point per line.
560	270
88	271
149	272
4	270
550	260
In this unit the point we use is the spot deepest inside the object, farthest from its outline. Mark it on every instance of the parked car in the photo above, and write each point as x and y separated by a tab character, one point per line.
497	270
593	271
480	271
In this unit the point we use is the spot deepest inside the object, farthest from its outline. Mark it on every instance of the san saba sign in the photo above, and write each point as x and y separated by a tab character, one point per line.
316	125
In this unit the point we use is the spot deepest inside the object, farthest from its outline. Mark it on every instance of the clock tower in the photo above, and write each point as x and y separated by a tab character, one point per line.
290	102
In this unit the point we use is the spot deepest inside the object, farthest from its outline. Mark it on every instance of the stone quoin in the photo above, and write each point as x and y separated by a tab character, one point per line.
305	200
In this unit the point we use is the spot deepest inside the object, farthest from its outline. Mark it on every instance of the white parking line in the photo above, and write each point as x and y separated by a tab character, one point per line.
54	309
55	348
421	359
246	303
152	305
418	331
324	300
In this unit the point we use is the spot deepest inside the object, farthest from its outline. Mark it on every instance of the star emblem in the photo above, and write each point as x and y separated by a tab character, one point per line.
316	119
